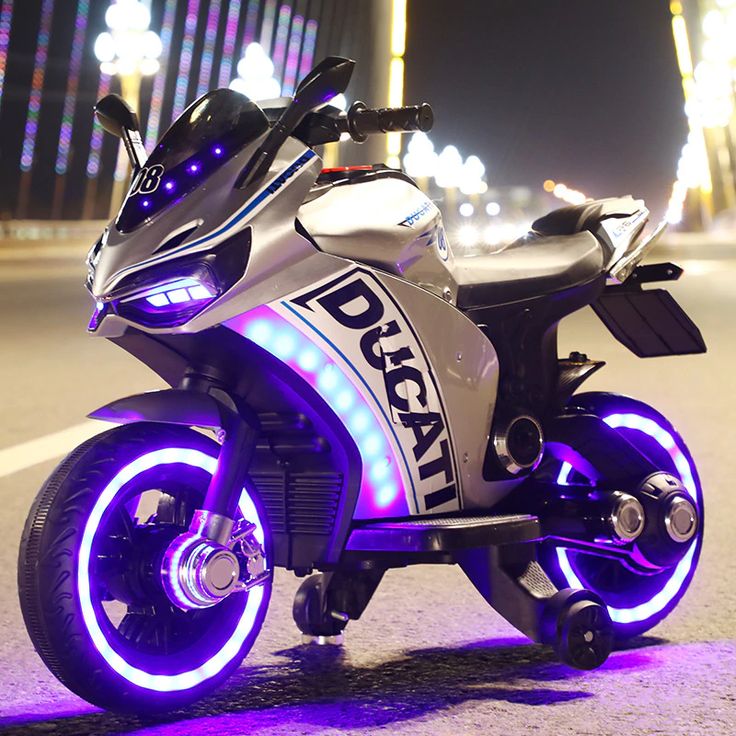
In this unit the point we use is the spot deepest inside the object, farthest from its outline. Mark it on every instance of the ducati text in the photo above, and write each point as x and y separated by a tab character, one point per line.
378	343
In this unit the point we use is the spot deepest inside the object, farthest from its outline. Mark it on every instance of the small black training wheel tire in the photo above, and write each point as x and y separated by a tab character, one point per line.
579	627
310	611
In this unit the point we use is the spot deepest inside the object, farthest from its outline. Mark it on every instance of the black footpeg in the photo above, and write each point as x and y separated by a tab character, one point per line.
445	534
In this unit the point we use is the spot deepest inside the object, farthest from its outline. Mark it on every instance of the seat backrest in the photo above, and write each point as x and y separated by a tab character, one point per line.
576	218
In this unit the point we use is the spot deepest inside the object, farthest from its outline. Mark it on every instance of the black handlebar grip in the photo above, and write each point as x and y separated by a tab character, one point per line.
362	121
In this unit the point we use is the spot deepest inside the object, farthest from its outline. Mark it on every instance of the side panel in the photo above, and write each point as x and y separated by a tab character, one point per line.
387	223
412	378
466	368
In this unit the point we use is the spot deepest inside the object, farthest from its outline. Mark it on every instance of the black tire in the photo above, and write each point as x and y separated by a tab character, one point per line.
48	569
309	609
611	580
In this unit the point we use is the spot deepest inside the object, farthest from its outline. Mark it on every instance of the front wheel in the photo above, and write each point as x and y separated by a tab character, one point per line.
89	573
636	599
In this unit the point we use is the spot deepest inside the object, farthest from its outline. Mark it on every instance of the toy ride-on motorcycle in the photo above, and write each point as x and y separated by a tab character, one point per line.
347	396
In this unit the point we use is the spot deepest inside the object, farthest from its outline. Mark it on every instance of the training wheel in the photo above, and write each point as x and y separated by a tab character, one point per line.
312	615
580	629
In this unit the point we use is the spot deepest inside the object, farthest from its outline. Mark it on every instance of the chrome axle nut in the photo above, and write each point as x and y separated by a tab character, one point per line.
627	517
681	519
197	572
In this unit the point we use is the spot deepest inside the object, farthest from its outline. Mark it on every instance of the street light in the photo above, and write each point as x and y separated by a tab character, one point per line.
129	50
256	79
449	170
471	176
420	160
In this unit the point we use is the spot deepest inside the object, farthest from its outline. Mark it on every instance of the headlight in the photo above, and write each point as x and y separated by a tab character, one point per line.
171	303
170	294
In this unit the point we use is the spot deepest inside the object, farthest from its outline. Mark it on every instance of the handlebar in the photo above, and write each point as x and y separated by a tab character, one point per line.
361	121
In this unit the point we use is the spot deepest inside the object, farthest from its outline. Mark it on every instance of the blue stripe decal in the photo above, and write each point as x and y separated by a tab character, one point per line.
269	189
389	424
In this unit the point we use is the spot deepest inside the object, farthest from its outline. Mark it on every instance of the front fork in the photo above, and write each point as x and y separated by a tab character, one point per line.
237	436
204	565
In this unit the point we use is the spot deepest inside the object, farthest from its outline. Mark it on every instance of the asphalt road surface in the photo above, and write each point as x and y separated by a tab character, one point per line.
429	656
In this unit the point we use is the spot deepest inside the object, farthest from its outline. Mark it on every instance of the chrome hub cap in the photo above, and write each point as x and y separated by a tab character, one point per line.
197	572
627	518
681	519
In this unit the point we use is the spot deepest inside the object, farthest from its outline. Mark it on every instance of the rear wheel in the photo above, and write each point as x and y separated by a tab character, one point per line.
637	598
89	573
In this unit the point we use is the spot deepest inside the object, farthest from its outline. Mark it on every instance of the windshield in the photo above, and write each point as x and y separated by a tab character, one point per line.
208	133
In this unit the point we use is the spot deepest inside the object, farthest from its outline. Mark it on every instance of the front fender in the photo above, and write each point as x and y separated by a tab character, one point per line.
196	409
170	406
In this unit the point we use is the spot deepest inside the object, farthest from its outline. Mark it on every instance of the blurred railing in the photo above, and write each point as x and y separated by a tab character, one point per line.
50	230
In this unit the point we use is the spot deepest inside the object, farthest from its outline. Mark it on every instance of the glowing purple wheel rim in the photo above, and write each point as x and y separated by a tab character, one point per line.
681	573
215	663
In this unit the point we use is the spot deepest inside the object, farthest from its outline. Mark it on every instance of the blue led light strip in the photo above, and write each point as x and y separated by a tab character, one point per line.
95	144
208	50
6	19
251	18
310	42
292	57
39	72
228	43
334	378
159	83
279	46
185	60
70	100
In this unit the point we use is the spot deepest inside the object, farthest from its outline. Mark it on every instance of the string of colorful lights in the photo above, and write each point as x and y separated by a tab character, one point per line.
39	71
228	43
310	42
269	16
208	49
95	144
6	19
251	18
159	81
185	59
292	38
292	56
279	46
70	100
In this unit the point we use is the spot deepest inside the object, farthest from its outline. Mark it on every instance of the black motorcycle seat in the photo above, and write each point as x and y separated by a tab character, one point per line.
530	267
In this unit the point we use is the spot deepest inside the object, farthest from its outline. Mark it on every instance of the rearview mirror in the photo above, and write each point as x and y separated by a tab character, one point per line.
328	79
119	119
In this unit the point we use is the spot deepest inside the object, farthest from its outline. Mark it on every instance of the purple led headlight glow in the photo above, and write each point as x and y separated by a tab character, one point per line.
213	664
669	591
171	302
182	291
382	486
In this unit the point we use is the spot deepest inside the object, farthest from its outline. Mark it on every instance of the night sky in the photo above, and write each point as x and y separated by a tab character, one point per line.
580	91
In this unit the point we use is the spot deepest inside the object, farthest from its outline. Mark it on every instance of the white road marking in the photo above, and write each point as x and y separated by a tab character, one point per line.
27	454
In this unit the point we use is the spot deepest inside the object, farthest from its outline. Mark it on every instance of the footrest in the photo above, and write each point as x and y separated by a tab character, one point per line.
444	534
